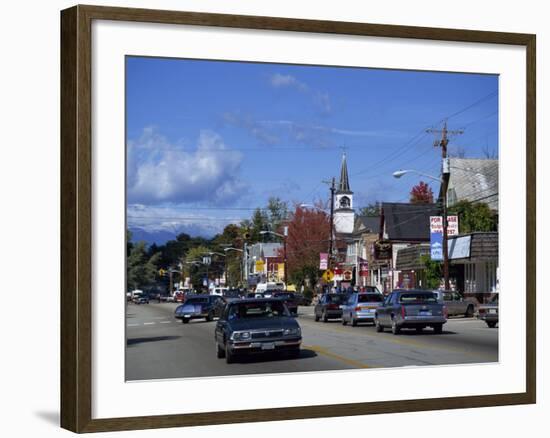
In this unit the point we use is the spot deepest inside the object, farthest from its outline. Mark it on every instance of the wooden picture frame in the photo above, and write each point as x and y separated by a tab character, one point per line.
76	217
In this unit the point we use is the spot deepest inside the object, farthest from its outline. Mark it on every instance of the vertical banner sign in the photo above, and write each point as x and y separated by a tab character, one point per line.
363	267
436	238
323	264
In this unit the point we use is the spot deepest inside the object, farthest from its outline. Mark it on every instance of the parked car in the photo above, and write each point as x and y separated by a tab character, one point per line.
142	300
255	325
290	301
412	308
200	307
456	303
361	307
489	312
329	306
302	300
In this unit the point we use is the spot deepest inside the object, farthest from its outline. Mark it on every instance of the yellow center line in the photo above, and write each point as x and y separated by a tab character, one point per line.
346	360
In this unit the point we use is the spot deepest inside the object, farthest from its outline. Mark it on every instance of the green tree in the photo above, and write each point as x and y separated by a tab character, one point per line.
277	213
474	217
433	272
370	210
141	269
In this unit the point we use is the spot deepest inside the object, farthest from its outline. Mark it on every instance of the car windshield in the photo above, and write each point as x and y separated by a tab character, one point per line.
371	289
369	298
264	309
336	299
418	297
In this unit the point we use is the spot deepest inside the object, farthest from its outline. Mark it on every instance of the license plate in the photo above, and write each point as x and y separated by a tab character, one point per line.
268	346
492	310
424	313
186	315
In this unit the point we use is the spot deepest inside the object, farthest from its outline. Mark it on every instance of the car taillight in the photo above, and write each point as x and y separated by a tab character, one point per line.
403	312
445	312
358	308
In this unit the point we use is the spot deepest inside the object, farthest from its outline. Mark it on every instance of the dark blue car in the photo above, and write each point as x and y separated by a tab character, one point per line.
200	307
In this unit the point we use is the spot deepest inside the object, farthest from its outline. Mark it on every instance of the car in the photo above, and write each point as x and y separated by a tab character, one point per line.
141	300
302	300
456	303
410	308
251	326
290	300
361	307
489	312
329	307
200	307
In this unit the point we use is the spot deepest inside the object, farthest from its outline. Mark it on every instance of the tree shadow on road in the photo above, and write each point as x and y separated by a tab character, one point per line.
134	341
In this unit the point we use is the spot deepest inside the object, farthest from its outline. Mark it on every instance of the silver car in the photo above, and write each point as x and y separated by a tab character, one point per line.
361	307
456	303
404	308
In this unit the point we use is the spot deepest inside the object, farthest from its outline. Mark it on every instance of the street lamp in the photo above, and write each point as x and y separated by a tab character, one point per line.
444	185
282	236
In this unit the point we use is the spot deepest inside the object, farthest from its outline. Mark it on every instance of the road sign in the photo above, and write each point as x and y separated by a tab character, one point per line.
328	275
323	263
348	275
259	265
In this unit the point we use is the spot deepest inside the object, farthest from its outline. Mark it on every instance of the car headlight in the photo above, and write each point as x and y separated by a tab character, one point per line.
292	331
240	336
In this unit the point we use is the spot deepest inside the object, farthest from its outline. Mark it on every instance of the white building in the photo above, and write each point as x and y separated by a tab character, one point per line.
344	215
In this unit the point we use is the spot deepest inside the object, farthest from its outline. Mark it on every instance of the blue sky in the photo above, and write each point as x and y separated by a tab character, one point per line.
208	141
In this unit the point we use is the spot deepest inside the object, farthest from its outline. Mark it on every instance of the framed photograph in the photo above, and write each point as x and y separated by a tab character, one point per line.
269	219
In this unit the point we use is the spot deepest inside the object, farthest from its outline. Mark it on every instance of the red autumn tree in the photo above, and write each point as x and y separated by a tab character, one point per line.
308	236
421	194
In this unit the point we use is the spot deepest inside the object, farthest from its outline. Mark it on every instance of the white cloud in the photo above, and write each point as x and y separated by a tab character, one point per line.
159	171
319	98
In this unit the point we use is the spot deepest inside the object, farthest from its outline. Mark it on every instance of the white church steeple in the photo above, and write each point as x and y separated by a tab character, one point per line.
344	215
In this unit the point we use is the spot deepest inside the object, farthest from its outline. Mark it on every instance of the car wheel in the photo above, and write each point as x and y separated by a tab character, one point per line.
438	328
353	322
316	318
491	324
378	326
325	318
229	357
220	352
210	316
469	312
184	320
344	321
395	329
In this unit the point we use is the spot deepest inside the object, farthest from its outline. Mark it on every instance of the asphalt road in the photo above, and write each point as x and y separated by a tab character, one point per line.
161	347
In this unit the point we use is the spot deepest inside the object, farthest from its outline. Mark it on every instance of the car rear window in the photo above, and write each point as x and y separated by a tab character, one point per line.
418	297
196	300
265	309
369	298
337	299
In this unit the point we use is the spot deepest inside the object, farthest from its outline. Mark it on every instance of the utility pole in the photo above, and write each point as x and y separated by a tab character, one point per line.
331	240
444	186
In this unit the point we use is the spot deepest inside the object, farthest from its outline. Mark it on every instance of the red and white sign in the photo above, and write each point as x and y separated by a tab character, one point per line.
436	225
348	275
323	264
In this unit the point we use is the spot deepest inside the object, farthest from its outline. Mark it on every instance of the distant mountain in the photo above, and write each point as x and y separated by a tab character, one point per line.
160	237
